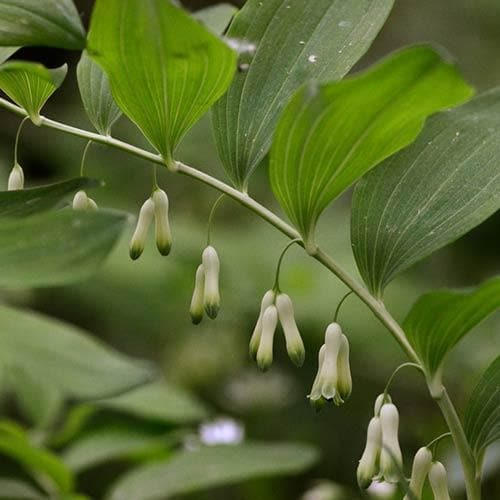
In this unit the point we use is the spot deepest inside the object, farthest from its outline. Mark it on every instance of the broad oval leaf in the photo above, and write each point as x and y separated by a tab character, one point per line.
14	489
65	357
23	202
30	84
330	135
190	472
429	194
216	17
56	248
293	41
6	52
482	417
96	95
438	320
49	23
165	68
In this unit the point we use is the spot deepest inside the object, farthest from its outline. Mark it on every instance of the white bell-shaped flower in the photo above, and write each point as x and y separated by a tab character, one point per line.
391	458
419	471
379	401
265	351
369	462
268	300
16	178
196	309
439	481
211	296
81	201
344	378
294	345
138	241
162	224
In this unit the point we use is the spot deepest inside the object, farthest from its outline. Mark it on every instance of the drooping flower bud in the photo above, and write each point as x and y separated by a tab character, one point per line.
381	400
267	300
294	344
265	350
162	225
368	464
391	459
420	469
92	205
196	309
80	201
16	178
315	396
138	240
439	481
211	297
344	383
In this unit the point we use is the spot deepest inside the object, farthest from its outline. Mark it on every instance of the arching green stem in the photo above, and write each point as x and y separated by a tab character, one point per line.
18	134
211	218
342	300
276	286
84	157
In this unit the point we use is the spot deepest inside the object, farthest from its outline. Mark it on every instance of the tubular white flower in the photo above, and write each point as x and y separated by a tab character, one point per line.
328	378
196	309
267	300
315	395
80	201
368	464
344	383
138	240
16	178
92	205
211	297
439	481
294	344
381	399
265	350
391	459
420	469
162	225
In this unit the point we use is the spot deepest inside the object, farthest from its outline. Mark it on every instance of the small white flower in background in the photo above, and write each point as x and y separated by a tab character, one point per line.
325	490
265	351
16	178
333	380
419	471
138	241
162	224
267	300
439	481
294	345
391	459
197	308
211	296
369	462
222	431
382	490
82	202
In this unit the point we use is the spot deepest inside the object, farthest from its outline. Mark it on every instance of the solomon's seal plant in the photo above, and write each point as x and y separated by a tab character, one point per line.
420	150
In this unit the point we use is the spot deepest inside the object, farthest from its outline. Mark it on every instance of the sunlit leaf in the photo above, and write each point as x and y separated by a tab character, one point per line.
96	95
330	135
482	417
438	320
49	23
165	68
429	194
56	248
190	472
216	17
65	357
36	460
14	489
158	401
6	52
30	84
284	44
23	202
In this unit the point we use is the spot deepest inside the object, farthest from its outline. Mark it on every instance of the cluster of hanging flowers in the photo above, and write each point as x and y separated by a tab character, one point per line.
276	307
155	207
333	380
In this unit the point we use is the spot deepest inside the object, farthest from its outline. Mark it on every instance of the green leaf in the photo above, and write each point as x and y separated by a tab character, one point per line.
438	320
158	401
49	23
429	194
24	202
165	68
482	417
108	445
96	95
30	84
294	42
216	17
330	135
190	472
65	357
6	52
36	460
13	489
56	248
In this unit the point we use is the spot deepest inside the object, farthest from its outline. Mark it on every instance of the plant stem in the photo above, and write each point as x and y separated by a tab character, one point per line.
84	157
18	134
375	305
276	286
